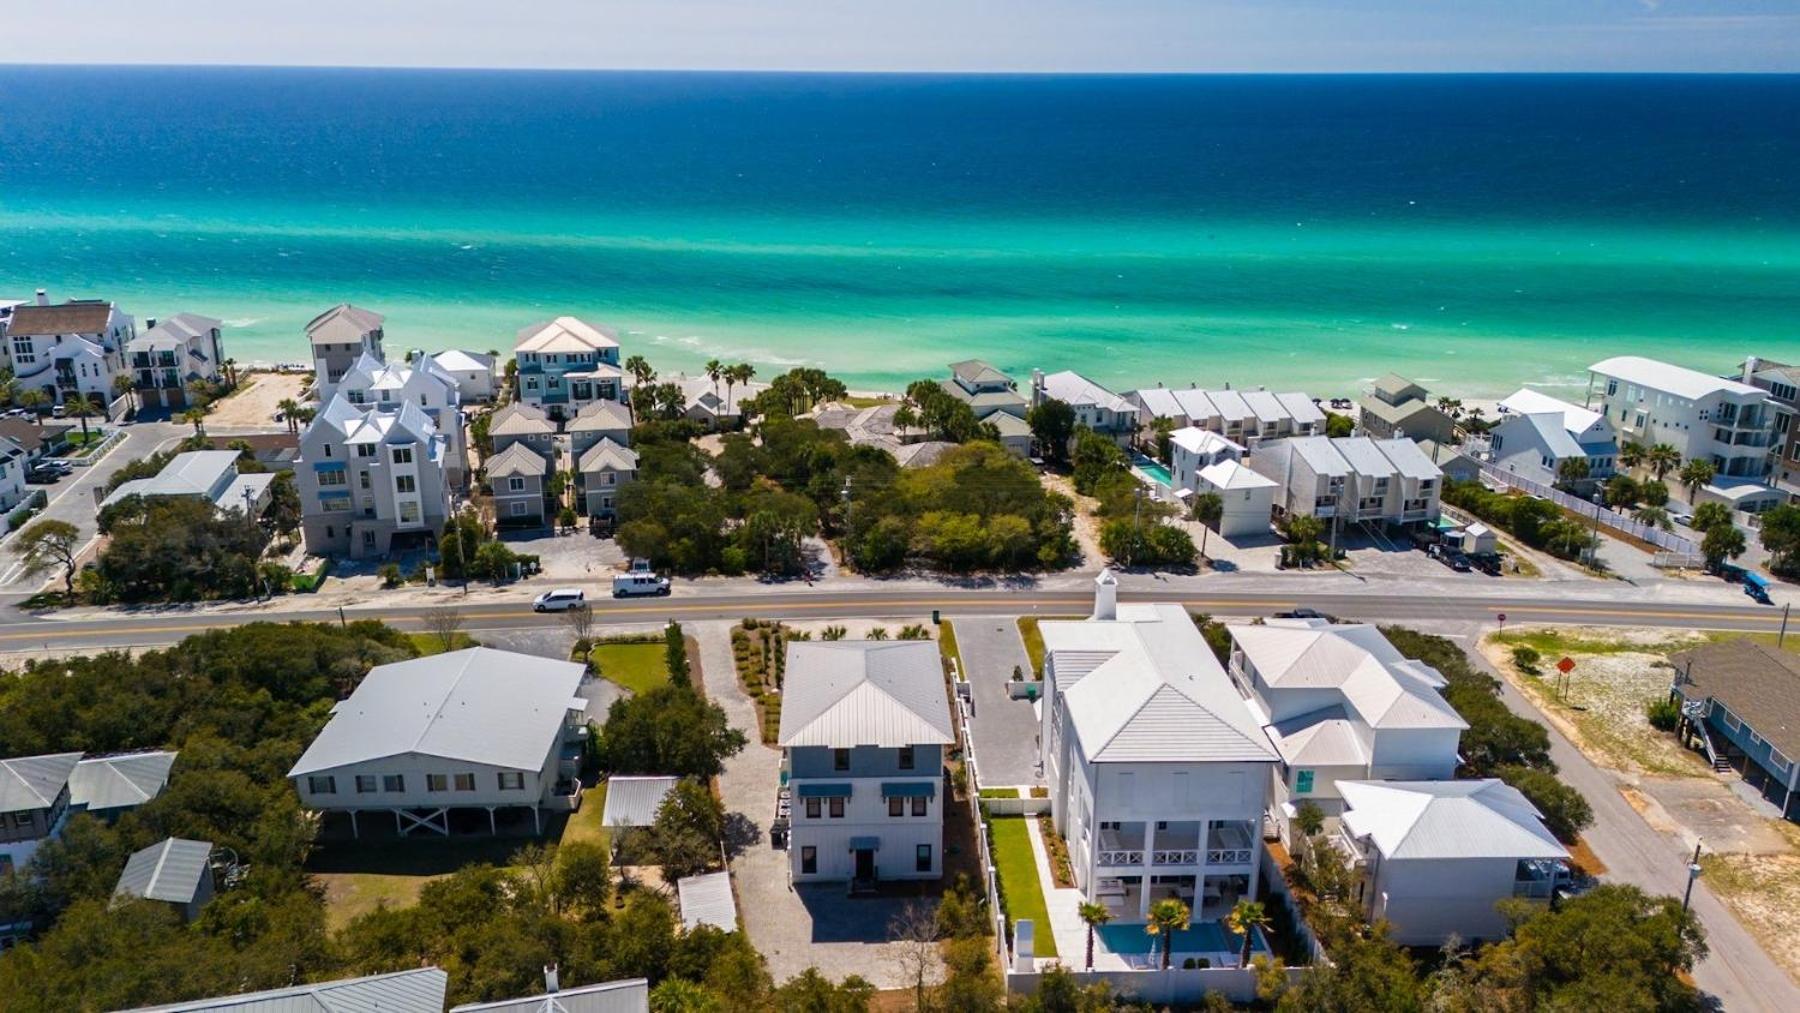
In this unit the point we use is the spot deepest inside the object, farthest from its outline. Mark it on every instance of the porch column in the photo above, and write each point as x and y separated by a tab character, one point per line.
537	826
398	829
1149	867
492	828
354	832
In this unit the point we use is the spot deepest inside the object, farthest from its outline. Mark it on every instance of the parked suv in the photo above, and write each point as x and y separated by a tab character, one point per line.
560	600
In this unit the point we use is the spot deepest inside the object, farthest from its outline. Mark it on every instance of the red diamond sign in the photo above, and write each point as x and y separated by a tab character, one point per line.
1566	665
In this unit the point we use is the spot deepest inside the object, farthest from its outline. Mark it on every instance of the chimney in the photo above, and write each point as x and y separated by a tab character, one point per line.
1106	595
150	323
43	298
1750	365
550	984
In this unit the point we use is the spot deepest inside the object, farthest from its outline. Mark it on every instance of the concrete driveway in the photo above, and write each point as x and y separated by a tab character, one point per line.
1005	730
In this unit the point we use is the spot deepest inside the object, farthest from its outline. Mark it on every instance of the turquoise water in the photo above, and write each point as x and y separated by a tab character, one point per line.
1155	472
1198	937
1298	232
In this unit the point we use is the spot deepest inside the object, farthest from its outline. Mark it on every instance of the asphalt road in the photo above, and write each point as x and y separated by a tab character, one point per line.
153	626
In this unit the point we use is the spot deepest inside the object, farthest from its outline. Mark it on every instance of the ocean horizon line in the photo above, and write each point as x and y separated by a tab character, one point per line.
912	73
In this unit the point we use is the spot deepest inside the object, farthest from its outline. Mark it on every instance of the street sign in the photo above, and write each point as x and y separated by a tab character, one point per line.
1501	617
1566	665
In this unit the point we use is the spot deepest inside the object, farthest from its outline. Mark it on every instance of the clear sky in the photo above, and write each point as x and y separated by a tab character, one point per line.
926	35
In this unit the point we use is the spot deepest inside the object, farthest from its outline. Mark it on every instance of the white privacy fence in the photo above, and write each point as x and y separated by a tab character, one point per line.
1666	540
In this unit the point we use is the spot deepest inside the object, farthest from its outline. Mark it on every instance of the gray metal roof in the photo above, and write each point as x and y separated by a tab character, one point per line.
33	782
520	419
864	692
633	801
170	871
608	455
601	415
480	705
118	782
977	371
631	995
517	459
1406	456
417	991
1447	819
707	900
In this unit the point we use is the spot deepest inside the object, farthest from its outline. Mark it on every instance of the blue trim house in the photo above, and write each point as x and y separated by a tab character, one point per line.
1740	704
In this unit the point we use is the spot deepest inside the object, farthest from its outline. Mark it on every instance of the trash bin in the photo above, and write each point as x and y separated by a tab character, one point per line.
936	619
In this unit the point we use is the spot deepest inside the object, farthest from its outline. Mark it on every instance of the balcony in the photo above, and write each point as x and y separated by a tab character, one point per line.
1231	842
1538	878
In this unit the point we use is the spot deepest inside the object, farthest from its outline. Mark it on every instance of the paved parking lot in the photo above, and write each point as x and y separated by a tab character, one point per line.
576	556
1005	730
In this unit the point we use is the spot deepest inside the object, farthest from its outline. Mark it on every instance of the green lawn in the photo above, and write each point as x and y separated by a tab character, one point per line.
999	793
855	401
947	645
429	643
1019	879
584	825
637	667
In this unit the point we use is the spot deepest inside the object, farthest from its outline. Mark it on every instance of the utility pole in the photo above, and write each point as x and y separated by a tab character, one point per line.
1779	637
1693	872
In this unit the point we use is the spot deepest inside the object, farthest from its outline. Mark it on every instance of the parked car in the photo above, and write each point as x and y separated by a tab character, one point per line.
60	465
561	599
1684	519
1455	559
638	583
42	476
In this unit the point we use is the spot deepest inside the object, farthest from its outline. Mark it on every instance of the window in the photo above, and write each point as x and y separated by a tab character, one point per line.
922	858
918	806
393	782
809	859
365	450
515	484
812	809
328	450
896	806
22	819
365	784
837	808
406	483
1303	782
334	477
321	784
437	782
409	511
906	758
465	782
363	480
1730	719
512	780
840	759
518	509
403	455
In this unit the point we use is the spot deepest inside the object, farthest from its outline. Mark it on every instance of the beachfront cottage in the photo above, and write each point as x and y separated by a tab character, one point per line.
34	803
602	420
1245	417
371	482
1740	706
629	995
516	476
1158	771
211	475
1537	434
477	374
1095	407
476	729
1399	407
1351	480
601	473
1246	499
176	871
1191	450
1340	703
1435	857
75	348
338	337
863	730
566	363
420	990
172	353
986	390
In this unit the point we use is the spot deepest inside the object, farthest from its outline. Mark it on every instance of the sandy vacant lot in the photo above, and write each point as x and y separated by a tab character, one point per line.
256	401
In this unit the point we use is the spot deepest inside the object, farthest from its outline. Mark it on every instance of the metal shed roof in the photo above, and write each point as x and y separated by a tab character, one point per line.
864	692
416	991
631	995
633	801
707	900
170	871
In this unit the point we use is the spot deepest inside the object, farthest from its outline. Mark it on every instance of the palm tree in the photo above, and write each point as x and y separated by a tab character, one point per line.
82	407
1571	471
31	399
1710	515
1167	917
122	386
1695	474
1207	508
230	368
1246	916
289	409
640	370
1662	459
197	417
1632	454
713	369
1094	915
1654	516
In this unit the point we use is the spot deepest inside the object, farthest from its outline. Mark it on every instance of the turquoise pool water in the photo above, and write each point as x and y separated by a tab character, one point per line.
1200	937
1155	472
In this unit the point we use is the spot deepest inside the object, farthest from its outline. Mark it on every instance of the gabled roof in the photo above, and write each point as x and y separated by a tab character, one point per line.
608	455
603	416
520	419
1677	380
33	782
343	322
457	360
1364	457
1319	452
1407	458
175	330
171	871
1076	389
420	990
633	801
1324	738
516	459
1008	424
565	334
1145	688
1234	475
1526	401
631	995
707	900
864	693
1395	388
977	371
86	316
479	704
1551	433
101	783
1195	440
1447	819
923	454
1380	686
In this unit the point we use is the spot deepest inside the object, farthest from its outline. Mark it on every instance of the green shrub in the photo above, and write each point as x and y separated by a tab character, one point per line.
1526	658
1664	713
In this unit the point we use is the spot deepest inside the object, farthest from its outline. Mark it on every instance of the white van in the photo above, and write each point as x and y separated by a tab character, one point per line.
560	600
632	585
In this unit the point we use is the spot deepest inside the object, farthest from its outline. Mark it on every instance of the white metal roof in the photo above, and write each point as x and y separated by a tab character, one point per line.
1195	440
458	361
115	782
420	990
631	995
1230	405
33	782
633	801
1670	379
1447	819
1405	455
1234	475
170	871
1381	686
1145	688
864	693
1301	408
479	704
565	334
1324	738
1076	389
1553	434
1364	457
707	900
1526	401
1320	454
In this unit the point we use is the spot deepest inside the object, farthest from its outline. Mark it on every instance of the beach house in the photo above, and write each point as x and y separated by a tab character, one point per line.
1537	434
371	382
863	729
1729	423
171	353
419	990
1740	707
467	731
338	337
1339	702
34	803
1246	417
566	363
985	390
602	420
517	478
1434	858
1351	480
211	475
477	374
1158	770
69	349
1192	450
371	481
1095	407
1396	406
603	470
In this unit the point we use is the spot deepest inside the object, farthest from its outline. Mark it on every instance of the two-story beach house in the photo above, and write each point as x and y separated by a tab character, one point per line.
171	353
518	479
34	803
566	363
1729	423
371	481
1159	771
73	348
338	337
1245	417
211	475
1192	450
863	730
1352	479
522	423
601	473
1341	703
602	420
1740	707
1537	433
1095	407
476	729
984	389
1397	406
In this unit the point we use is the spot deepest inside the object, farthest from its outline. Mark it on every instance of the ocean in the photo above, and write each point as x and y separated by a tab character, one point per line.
1310	232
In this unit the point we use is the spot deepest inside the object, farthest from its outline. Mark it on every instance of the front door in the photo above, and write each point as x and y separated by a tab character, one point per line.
865	863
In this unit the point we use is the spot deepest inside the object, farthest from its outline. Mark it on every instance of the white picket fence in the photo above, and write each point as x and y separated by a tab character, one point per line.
1666	540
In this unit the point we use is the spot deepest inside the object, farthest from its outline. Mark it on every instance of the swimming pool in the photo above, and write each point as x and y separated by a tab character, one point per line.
1155	472
1197	938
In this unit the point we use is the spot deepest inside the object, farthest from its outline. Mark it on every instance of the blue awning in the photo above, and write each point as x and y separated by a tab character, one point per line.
824	791
328	465
916	789
865	844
